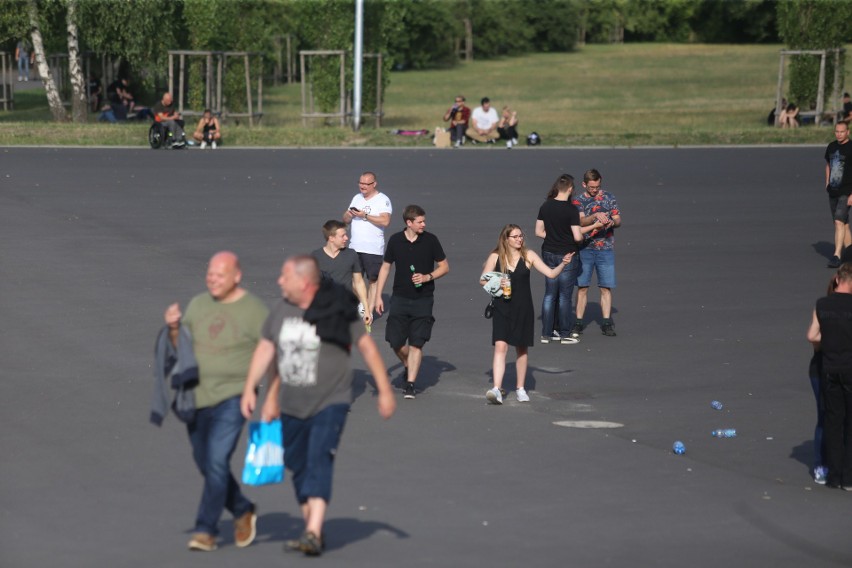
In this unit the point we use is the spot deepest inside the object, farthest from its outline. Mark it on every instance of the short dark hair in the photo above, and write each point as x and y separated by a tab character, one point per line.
592	175
485	100
330	227
412	212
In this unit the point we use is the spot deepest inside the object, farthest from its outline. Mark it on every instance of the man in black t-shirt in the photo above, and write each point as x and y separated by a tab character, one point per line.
420	260
838	184
830	332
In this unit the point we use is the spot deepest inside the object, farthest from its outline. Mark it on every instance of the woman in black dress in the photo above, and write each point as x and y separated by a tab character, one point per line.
514	319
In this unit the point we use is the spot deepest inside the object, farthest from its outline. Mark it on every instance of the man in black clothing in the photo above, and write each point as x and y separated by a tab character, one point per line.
838	184
420	260
831	332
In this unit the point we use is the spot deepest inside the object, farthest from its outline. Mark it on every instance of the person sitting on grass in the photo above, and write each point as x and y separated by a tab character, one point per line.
789	117
507	127
208	130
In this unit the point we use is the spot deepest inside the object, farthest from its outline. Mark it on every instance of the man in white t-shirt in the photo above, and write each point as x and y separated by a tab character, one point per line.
483	123
369	213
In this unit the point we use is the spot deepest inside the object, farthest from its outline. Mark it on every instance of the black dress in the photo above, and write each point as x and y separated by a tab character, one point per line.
514	320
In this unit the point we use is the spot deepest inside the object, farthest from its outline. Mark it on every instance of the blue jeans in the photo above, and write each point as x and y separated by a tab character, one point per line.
24	66
214	435
560	288
310	445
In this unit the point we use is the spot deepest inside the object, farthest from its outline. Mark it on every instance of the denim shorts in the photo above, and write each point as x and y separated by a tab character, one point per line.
310	445
602	261
839	208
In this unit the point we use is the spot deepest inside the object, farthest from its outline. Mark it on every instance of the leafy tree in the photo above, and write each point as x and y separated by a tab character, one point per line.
554	24
426	35
330	25
658	20
499	27
735	21
812	24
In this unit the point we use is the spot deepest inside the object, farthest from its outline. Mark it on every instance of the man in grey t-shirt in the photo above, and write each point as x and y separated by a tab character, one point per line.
309	335
341	264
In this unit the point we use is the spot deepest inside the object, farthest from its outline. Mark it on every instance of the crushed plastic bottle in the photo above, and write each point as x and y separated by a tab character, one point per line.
725	433
679	448
717	405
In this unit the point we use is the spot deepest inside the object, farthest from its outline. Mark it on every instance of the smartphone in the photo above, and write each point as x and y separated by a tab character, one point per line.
355	209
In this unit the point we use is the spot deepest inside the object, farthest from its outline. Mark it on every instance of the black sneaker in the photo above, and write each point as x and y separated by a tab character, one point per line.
834	262
408	391
576	330
607	328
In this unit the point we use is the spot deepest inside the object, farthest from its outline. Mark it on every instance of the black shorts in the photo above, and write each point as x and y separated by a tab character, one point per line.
409	321
371	264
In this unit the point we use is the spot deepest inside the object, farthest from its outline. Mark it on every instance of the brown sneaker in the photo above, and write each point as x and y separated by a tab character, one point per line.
245	529
309	543
202	541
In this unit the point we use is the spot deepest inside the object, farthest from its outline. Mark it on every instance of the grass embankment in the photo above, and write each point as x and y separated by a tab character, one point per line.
634	94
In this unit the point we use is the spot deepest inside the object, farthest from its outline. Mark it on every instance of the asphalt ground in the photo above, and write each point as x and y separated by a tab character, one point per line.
720	258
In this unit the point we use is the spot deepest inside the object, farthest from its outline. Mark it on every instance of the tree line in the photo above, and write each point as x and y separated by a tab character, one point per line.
411	34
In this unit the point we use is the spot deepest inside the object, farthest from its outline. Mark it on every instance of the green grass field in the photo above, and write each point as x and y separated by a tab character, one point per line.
602	95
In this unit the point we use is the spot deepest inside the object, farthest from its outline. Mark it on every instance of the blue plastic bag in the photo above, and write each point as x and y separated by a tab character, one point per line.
265	454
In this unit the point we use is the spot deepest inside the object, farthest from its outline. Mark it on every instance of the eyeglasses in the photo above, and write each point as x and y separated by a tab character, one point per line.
366	182
521	236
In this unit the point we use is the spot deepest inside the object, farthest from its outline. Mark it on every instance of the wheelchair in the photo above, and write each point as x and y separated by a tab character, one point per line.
159	136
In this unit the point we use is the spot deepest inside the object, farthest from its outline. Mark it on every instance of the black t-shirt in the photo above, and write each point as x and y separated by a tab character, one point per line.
422	254
834	313
558	216
839	159
112	91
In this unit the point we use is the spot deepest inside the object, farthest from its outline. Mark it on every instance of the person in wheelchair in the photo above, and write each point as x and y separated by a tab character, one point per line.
165	114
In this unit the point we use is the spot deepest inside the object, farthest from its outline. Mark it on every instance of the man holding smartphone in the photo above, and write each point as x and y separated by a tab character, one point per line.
369	214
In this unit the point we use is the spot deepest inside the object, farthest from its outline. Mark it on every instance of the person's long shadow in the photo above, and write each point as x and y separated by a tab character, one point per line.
272	527
823	248
342	532
594	314
804	453
430	373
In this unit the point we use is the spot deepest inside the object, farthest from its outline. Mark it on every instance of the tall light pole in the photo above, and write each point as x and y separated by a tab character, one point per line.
359	44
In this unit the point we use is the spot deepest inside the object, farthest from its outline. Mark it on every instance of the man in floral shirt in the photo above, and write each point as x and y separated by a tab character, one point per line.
597	252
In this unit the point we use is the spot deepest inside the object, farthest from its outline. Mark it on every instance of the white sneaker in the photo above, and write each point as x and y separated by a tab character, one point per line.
514	141
522	395
457	143
203	145
213	144
493	396
508	144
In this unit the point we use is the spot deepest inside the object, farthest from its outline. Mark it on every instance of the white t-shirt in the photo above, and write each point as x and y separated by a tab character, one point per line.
485	120
366	237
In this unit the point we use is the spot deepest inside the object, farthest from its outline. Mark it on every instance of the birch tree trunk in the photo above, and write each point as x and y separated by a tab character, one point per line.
79	94
53	98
